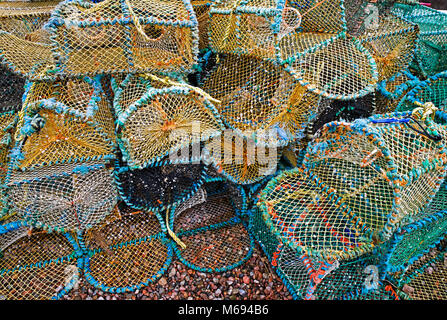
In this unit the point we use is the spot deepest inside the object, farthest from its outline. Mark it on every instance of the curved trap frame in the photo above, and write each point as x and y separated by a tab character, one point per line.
305	36
210	236
431	50
159	186
308	278
241	160
426	279
157	117
309	217
391	91
111	36
64	122
258	97
392	44
65	197
126	253
202	11
385	168
38	265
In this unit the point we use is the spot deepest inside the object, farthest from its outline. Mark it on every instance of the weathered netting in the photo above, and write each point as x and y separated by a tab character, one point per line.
309	217
11	230
431	50
157	117
7	129
160	186
11	90
63	197
211	235
126	253
257	96
308	278
433	90
202	11
110	36
64	122
39	266
385	168
332	110
320	55
241	160
391	91
391	44
426	279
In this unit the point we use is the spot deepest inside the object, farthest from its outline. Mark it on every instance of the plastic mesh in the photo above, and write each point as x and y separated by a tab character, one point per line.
212	231
37	267
63	197
64	122
257	95
156	119
430	54
306	216
385	168
110	36
160	186
126	253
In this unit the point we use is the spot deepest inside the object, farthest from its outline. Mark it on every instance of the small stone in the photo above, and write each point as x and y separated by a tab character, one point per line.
246	280
163	281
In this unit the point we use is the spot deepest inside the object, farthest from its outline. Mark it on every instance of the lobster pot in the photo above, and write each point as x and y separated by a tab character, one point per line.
202	11
349	110
431	53
64	197
242	160
8	122
11	90
306	37
160	186
311	278
65	122
425	279
211	236
391	44
433	90
258	97
310	218
391	91
39	266
386	168
126	253
156	120
113	36
11	230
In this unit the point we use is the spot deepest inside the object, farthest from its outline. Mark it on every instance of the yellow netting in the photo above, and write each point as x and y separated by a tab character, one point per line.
38	266
65	122
202	11
63	197
126	253
392	44
157	117
110	36
385	168
306	215
241	160
258	95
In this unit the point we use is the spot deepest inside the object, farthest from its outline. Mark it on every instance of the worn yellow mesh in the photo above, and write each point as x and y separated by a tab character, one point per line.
258	95
7	128
156	119
79	126
63	197
427	278
241	160
382	168
392	44
202	11
38	266
126	253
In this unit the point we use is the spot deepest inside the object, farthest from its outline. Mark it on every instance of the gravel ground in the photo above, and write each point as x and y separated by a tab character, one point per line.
254	280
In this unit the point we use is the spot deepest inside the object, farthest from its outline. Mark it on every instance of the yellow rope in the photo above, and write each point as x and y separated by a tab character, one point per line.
172	234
